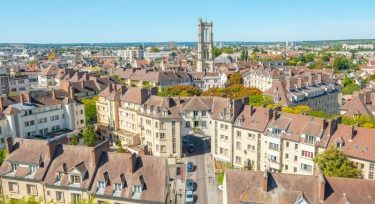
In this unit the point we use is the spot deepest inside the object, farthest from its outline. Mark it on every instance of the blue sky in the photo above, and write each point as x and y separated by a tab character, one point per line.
90	21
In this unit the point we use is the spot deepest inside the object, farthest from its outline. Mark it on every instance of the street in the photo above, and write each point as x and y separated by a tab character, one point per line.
201	177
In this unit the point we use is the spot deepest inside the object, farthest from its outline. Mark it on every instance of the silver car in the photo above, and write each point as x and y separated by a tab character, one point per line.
189	197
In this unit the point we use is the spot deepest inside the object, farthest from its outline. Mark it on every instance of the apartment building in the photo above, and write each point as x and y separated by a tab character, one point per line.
357	143
130	53
307	89
153	78
42	114
262	77
362	104
19	84
241	186
248	137
59	173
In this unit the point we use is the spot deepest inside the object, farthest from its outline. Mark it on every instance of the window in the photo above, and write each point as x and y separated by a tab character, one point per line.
162	136
238	160
31	189
137	189
287	144
273	146
251	147
118	187
307	154
286	167
187	124
306	167
156	125
310	139
204	113
196	123
272	158
238	134
204	124
75	198
238	145
295	146
295	158
101	185
195	113
75	179
32	169
286	156
13	187
162	148
295	169
14	166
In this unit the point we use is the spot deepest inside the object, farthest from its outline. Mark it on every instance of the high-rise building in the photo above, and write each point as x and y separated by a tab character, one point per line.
205	46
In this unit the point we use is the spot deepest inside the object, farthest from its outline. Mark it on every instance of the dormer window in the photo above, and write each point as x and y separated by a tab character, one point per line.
58	176
32	169
117	187
101	185
14	166
137	189
75	178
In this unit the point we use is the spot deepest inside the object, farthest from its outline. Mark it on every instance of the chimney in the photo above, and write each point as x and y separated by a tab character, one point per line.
53	94
321	187
354	132
270	114
287	84
310	78
299	82
71	92
97	151
264	182
367	97
1	104
21	98
132	159
26	97
319	78
245	100
110	87
9	144
144	150
81	84
252	109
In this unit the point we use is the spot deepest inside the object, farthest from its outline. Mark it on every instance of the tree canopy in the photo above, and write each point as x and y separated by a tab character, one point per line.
154	49
3	154
259	100
333	162
296	109
236	91
90	109
180	90
360	121
89	136
235	78
349	86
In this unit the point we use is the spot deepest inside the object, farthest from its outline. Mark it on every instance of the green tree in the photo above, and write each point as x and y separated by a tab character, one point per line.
235	78
259	100
296	109
244	55
89	136
90	109
73	140
333	162
3	154
341	63
180	90
154	49
228	50
216	52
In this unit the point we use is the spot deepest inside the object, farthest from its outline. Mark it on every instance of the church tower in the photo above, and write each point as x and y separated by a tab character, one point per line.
205	46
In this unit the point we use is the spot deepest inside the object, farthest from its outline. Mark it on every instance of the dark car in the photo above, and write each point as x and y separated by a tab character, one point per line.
190	167
189	185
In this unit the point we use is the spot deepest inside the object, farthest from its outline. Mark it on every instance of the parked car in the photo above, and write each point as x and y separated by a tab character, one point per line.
220	187
191	148
189	197
190	167
189	185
